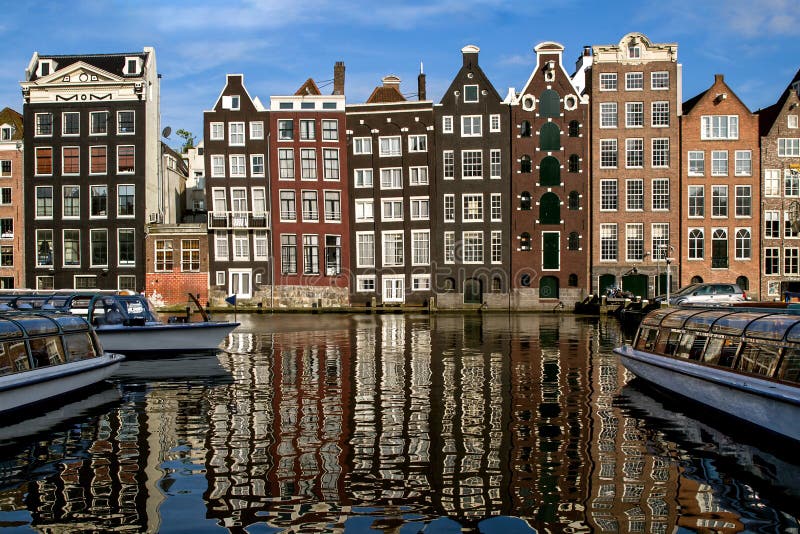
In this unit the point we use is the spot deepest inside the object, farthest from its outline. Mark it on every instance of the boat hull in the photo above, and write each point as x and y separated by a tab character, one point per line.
26	388
156	339
768	404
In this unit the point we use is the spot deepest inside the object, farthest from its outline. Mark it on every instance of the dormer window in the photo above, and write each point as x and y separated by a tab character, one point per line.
634	52
470	93
791	123
46	67
231	102
6	132
133	66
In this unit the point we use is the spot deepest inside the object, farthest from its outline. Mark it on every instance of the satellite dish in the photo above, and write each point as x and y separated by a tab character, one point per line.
166	132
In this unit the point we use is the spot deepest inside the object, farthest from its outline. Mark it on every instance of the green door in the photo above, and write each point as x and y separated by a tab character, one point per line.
550	250
473	292
549	104
548	287
550	137
661	284
636	284
606	281
550	171
549	209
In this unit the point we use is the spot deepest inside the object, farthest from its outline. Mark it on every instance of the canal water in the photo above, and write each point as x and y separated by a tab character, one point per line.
393	423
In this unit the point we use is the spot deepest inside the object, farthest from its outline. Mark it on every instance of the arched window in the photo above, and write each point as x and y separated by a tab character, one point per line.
550	171
449	284
696	244
574	200
743	243
497	284
573	242
525	129
525	280
525	241
549	104
572	281
548	287
549	209
574	163
719	248
743	283
574	128
525	201
525	164
697	279
550	137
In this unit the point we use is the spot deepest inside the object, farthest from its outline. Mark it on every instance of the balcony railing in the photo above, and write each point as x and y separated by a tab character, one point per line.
237	220
719	263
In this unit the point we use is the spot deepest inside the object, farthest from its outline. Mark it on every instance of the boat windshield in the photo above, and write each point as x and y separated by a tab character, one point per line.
772	326
137	308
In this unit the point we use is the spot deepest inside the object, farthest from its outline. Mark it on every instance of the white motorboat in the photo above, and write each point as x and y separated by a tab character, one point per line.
743	362
44	356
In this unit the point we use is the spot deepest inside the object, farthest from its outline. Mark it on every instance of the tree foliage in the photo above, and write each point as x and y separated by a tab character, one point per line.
188	139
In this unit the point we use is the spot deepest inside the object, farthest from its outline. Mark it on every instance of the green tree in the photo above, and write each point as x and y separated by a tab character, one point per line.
188	139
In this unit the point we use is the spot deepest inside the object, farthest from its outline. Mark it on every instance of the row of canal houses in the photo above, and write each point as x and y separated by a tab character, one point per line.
530	199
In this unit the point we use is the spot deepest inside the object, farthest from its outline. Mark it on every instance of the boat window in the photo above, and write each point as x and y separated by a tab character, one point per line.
14	357
772	326
790	367
79	346
9	330
46	351
655	317
647	339
38	325
677	318
734	324
691	346
71	323
672	343
758	358
794	334
702	321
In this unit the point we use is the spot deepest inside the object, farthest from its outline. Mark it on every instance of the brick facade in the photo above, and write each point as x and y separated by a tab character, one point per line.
12	237
171	275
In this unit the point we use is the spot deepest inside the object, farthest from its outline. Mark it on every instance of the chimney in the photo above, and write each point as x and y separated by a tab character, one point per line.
421	95
338	78
391	81
587	50
719	78
470	55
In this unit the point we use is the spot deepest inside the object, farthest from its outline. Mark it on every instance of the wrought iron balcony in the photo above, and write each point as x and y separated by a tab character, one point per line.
237	220
719	262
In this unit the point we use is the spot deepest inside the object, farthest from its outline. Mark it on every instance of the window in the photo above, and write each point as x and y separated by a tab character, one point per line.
608	153
163	249
125	122
365	283
471	164
449	247
772	182
608	242
330	162
236	134
221	248
238	164
608	115
719	163
7	259
449	208
333	206
744	163
256	130
44	248
418	176
495	163
190	255
634	195
98	160
285	130
574	128
257	165
634	153
496	207
659	80
308	164
44	161
241	246
391	178
719	200
608	195
307	132
696	244
472	208
744	201
365	210
44	202
288	211
791	183
496	251
333	255
420	247
363	177
697	201
125	159
420	282
6	228
772	260
6	133
44	124
660	240
719	127
217	131
791	121
389	146
789	230
743	244
574	200
70	123
392	209
259	200
417	143
126	246
99	200
5	168
791	260
365	249
634	114
70	160
447	124
659	114
772	224
288	254
5	196
98	240
420	208
310	207
634	81
217	166
697	163
393	249
660	194
470	93
449	164
330	130
608	81
471	125
472	247
362	145
634	52
494	123
286	164
125	200
660	152
98	123
634	246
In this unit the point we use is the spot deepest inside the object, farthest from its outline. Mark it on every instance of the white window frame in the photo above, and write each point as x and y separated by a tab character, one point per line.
361	261
217	162
426	259
256	129
253	172
711	127
465	250
392	209
395	178
385	235
418	175
447	124
496	207
233	136
238	169
389	146
364	210
494	123
449	207
363	178
609	117
417	143
471	125
420	208
363	283
362	145
466	208
217	131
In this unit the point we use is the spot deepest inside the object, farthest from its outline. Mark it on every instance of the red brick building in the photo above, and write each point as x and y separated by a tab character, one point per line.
720	175
177	263
12	220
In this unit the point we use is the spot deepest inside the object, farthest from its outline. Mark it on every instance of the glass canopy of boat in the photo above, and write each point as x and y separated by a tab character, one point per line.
751	324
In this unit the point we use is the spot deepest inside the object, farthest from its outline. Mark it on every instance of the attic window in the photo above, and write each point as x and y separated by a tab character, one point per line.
133	66
6	132
230	102
634	52
306	105
285	105
470	93
792	123
329	105
46	67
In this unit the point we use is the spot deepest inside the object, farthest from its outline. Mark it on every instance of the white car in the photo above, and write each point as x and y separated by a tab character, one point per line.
706	294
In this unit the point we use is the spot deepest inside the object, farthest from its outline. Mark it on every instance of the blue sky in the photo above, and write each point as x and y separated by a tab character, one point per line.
277	45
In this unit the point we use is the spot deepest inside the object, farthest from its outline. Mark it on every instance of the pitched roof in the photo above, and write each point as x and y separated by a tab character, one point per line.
768	115
383	95
9	116
308	88
692	102
113	63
